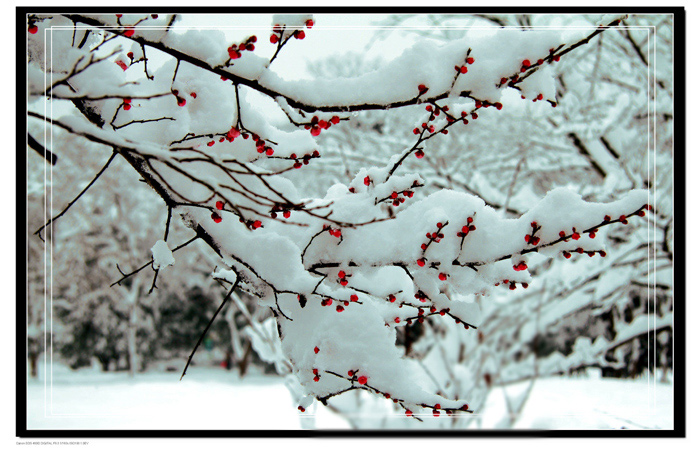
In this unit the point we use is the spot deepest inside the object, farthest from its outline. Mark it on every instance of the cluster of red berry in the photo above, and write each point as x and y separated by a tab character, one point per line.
305	158
511	284
463	69
520	266
180	100
278	30
467	228
531	238
335	232
316	125
581	251
343	278
435	236
234	51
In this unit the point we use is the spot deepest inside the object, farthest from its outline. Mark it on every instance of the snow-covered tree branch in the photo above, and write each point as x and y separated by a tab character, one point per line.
210	125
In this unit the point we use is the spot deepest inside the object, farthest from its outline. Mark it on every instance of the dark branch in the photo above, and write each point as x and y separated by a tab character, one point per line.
208	326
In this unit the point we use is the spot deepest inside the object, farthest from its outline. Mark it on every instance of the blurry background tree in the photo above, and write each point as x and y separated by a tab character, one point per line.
119	327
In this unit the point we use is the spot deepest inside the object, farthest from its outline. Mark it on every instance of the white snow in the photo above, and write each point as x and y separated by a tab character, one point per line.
162	256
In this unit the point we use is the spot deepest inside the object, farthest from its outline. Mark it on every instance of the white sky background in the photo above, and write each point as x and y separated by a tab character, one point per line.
7	263
332	34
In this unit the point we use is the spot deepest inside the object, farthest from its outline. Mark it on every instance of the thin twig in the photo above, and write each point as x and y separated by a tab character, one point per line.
209	325
53	219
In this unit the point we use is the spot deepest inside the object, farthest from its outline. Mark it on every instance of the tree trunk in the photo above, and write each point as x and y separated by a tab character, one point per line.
33	369
132	298
238	354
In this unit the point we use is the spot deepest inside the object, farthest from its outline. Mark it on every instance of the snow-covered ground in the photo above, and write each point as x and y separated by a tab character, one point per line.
212	398
206	398
589	402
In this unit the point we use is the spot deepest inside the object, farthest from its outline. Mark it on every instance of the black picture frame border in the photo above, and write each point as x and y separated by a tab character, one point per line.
679	335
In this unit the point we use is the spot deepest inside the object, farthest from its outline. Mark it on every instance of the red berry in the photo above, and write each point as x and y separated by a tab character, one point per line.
339	308
470	60
575	236
269	151
526	63
193	94
121	64
442	276
540	97
527	238
463	69
474	116
127	107
367	180
217	218
422	88
257	224
353	298
420	154
33	29
335	119
343	282
341	274
421	262
299	34
301	408
498	105
603	254
286	214
562	234
181	101
129	32
316	350
591	235
317	378
408	413
362	380
274	39
219	205
309	23
397	320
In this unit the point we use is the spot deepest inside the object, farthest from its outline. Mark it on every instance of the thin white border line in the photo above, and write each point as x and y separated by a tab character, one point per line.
63	27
